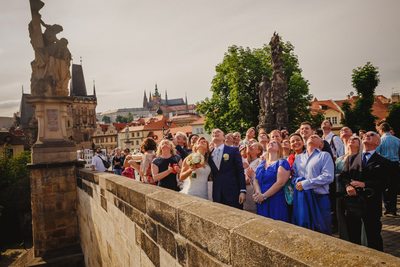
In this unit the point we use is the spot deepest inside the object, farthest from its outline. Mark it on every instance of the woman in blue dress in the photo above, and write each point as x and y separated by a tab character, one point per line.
271	176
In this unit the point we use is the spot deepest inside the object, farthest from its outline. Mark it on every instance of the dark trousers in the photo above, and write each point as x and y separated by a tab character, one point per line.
373	227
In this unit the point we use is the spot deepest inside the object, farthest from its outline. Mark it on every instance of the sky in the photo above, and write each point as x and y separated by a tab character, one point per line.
127	46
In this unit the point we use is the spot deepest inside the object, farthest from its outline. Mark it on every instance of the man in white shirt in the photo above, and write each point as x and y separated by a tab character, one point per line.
334	141
97	162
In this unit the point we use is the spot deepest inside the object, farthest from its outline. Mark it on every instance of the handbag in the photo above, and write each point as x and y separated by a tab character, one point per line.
105	163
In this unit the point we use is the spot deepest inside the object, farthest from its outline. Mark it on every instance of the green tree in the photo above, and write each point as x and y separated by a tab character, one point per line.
394	118
121	119
14	192
106	119
364	79
234	104
129	118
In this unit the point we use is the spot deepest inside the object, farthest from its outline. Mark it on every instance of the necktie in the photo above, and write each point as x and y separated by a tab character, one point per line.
216	157
365	159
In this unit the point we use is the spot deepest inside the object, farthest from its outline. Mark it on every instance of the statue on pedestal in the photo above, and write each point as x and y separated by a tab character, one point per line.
273	95
50	69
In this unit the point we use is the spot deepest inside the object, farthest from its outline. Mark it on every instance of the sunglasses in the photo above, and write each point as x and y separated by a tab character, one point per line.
369	134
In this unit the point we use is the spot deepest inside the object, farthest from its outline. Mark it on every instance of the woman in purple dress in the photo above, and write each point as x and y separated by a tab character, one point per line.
271	176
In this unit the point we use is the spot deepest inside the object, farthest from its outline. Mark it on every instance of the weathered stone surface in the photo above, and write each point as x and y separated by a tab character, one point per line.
137	193
166	239
151	228
151	249
265	242
197	257
181	250
163	206
209	226
103	203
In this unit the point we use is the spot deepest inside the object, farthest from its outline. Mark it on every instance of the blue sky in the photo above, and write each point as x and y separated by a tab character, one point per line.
127	45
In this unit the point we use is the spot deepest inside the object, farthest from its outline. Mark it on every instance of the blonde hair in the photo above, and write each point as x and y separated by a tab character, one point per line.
280	151
181	134
171	145
348	146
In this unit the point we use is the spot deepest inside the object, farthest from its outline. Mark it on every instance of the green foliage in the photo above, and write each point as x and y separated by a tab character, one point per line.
106	119
364	79
394	118
121	119
14	168
234	104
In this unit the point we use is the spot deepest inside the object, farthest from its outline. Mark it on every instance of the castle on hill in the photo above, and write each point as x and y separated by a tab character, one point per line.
153	105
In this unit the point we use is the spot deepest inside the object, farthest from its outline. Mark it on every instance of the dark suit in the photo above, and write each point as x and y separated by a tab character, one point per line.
374	175
229	180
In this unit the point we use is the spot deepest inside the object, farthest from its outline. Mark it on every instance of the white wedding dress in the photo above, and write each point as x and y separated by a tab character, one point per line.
197	186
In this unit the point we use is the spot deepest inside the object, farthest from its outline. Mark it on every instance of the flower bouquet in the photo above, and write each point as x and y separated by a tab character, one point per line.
195	160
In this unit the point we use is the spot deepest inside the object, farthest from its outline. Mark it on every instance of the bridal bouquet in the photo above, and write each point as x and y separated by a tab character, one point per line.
195	160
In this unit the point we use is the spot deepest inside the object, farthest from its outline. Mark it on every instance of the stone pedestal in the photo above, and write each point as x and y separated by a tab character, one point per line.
53	178
53	199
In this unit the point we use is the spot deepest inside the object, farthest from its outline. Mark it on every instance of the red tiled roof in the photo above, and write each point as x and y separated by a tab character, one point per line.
380	108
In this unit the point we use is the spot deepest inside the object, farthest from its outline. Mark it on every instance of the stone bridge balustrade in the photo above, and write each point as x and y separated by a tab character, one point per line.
126	223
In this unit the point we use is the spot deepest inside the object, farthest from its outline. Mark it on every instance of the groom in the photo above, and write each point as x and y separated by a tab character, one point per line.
229	186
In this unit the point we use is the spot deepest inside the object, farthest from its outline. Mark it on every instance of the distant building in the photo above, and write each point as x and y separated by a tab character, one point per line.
332	109
11	144
106	135
82	113
153	105
81	122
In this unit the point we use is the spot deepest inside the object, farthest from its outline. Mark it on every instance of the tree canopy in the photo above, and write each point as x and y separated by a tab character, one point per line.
364	79
234	104
394	118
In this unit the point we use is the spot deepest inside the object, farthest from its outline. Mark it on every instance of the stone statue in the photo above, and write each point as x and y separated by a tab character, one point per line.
273	95
50	69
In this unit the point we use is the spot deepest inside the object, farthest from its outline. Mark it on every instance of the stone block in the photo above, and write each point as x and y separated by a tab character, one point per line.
151	228
151	249
137	193
103	203
138	236
181	250
166	239
209	226
163	207
197	257
265	242
111	187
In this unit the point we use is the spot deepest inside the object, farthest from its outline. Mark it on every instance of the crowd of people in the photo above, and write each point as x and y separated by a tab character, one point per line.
312	178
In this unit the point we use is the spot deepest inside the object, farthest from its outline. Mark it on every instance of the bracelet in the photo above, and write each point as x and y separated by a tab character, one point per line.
264	197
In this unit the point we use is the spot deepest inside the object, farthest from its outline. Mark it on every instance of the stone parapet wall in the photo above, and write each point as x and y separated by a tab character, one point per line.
126	223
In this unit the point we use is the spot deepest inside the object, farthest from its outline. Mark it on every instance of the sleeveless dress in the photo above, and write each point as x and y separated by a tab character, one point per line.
170	181
197	186
275	207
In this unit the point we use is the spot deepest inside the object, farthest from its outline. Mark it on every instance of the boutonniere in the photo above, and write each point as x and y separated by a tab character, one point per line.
226	157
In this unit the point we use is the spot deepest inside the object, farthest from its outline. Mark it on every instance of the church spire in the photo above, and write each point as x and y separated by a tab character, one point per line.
166	98
156	93
94	87
22	89
145	100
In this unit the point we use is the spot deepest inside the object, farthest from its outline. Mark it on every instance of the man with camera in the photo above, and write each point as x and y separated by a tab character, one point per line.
365	178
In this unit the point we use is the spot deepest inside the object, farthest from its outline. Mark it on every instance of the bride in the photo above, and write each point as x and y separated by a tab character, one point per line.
196	177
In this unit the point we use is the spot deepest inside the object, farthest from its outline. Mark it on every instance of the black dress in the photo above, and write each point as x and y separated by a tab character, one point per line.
169	181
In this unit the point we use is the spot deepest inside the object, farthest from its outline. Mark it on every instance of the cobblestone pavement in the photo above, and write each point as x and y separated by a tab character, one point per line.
391	233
